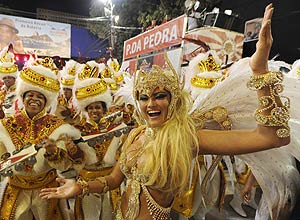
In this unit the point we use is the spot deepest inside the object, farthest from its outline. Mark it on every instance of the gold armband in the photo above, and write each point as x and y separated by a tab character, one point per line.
84	186
259	81
104	182
279	115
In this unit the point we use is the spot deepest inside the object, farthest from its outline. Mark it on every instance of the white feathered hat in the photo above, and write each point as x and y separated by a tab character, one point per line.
7	64
124	93
40	76
112	74
68	73
113	64
90	88
203	72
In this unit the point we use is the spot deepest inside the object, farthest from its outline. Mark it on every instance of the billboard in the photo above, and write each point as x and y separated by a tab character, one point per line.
44	38
163	36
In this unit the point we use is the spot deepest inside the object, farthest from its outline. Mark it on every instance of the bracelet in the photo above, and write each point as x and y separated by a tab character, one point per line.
84	186
257	82
279	115
104	182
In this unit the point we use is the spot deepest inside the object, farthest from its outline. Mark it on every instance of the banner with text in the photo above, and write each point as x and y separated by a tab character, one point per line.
163	36
44	38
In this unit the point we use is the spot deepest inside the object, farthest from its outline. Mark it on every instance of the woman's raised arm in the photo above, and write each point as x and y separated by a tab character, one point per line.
272	115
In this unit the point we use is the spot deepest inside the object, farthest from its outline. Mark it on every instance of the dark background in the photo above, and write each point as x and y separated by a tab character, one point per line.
80	7
285	24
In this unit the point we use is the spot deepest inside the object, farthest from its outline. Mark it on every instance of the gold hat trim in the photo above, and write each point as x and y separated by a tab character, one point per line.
119	78
106	73
115	65
67	82
91	90
204	82
10	69
113	86
28	75
208	65
46	62
5	58
88	72
72	71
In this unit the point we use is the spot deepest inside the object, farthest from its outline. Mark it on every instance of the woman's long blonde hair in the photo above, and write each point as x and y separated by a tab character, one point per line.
170	153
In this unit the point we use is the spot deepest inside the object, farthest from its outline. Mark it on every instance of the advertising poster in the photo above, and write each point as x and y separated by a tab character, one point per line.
149	48
161	37
43	38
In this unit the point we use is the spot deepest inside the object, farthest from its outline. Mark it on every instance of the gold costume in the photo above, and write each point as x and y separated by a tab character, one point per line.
101	168
136	180
23	130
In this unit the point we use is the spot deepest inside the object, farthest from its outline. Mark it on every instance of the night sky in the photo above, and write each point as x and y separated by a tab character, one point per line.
285	24
80	7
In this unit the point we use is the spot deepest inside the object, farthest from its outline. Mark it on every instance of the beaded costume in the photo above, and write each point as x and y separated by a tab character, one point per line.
107	151
19	199
282	183
8	99
136	181
90	89
16	131
8	96
241	104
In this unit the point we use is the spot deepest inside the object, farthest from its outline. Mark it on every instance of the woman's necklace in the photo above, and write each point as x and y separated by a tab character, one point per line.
150	133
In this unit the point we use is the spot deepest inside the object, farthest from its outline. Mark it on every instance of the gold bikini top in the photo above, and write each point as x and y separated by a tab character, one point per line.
136	179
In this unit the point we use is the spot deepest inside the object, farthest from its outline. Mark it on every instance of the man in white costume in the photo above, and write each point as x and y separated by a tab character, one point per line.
92	98
37	87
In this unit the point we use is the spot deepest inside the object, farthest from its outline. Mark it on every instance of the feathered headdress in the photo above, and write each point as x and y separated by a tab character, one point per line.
7	64
203	73
90	88
41	76
68	73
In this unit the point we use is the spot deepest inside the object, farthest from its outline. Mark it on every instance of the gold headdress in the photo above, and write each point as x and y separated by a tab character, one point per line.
157	77
68	74
113	64
203	73
90	88
207	65
90	70
111	74
7	64
40	76
46	62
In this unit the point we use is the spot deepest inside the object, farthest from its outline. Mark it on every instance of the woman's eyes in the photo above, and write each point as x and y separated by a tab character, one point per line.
144	98
160	95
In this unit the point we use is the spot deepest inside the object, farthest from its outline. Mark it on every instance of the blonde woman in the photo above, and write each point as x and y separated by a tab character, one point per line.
156	158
